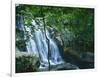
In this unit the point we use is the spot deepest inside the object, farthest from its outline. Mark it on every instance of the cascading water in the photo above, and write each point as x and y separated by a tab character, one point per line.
38	44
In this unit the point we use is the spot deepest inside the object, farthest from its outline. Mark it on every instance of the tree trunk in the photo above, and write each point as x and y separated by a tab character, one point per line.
48	42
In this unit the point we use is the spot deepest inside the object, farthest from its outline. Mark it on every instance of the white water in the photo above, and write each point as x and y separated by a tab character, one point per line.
38	45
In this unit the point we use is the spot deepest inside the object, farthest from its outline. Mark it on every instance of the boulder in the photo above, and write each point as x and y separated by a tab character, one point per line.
84	59
26	62
88	56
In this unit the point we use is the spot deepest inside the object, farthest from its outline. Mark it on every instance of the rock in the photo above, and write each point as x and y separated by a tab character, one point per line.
64	66
83	59
72	54
87	60
26	62
65	22
88	57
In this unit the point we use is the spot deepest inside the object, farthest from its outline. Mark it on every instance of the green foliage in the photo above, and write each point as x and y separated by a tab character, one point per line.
84	27
80	21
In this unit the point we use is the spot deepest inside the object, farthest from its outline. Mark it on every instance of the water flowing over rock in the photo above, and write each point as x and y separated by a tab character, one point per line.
38	44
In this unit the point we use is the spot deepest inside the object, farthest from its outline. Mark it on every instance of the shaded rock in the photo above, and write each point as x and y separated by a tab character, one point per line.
88	56
87	60
26	62
21	45
64	66
83	59
71	55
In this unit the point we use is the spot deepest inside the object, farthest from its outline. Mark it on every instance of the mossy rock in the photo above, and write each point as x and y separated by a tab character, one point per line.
26	62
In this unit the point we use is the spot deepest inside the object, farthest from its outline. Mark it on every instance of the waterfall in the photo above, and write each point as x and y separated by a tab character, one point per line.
38	44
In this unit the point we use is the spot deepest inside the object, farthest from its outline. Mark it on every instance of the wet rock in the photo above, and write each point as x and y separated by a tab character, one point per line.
64	66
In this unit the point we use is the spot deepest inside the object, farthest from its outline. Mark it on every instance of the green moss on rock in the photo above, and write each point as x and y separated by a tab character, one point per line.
26	62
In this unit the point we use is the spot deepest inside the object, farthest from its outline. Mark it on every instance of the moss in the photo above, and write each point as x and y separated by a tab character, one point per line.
26	62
